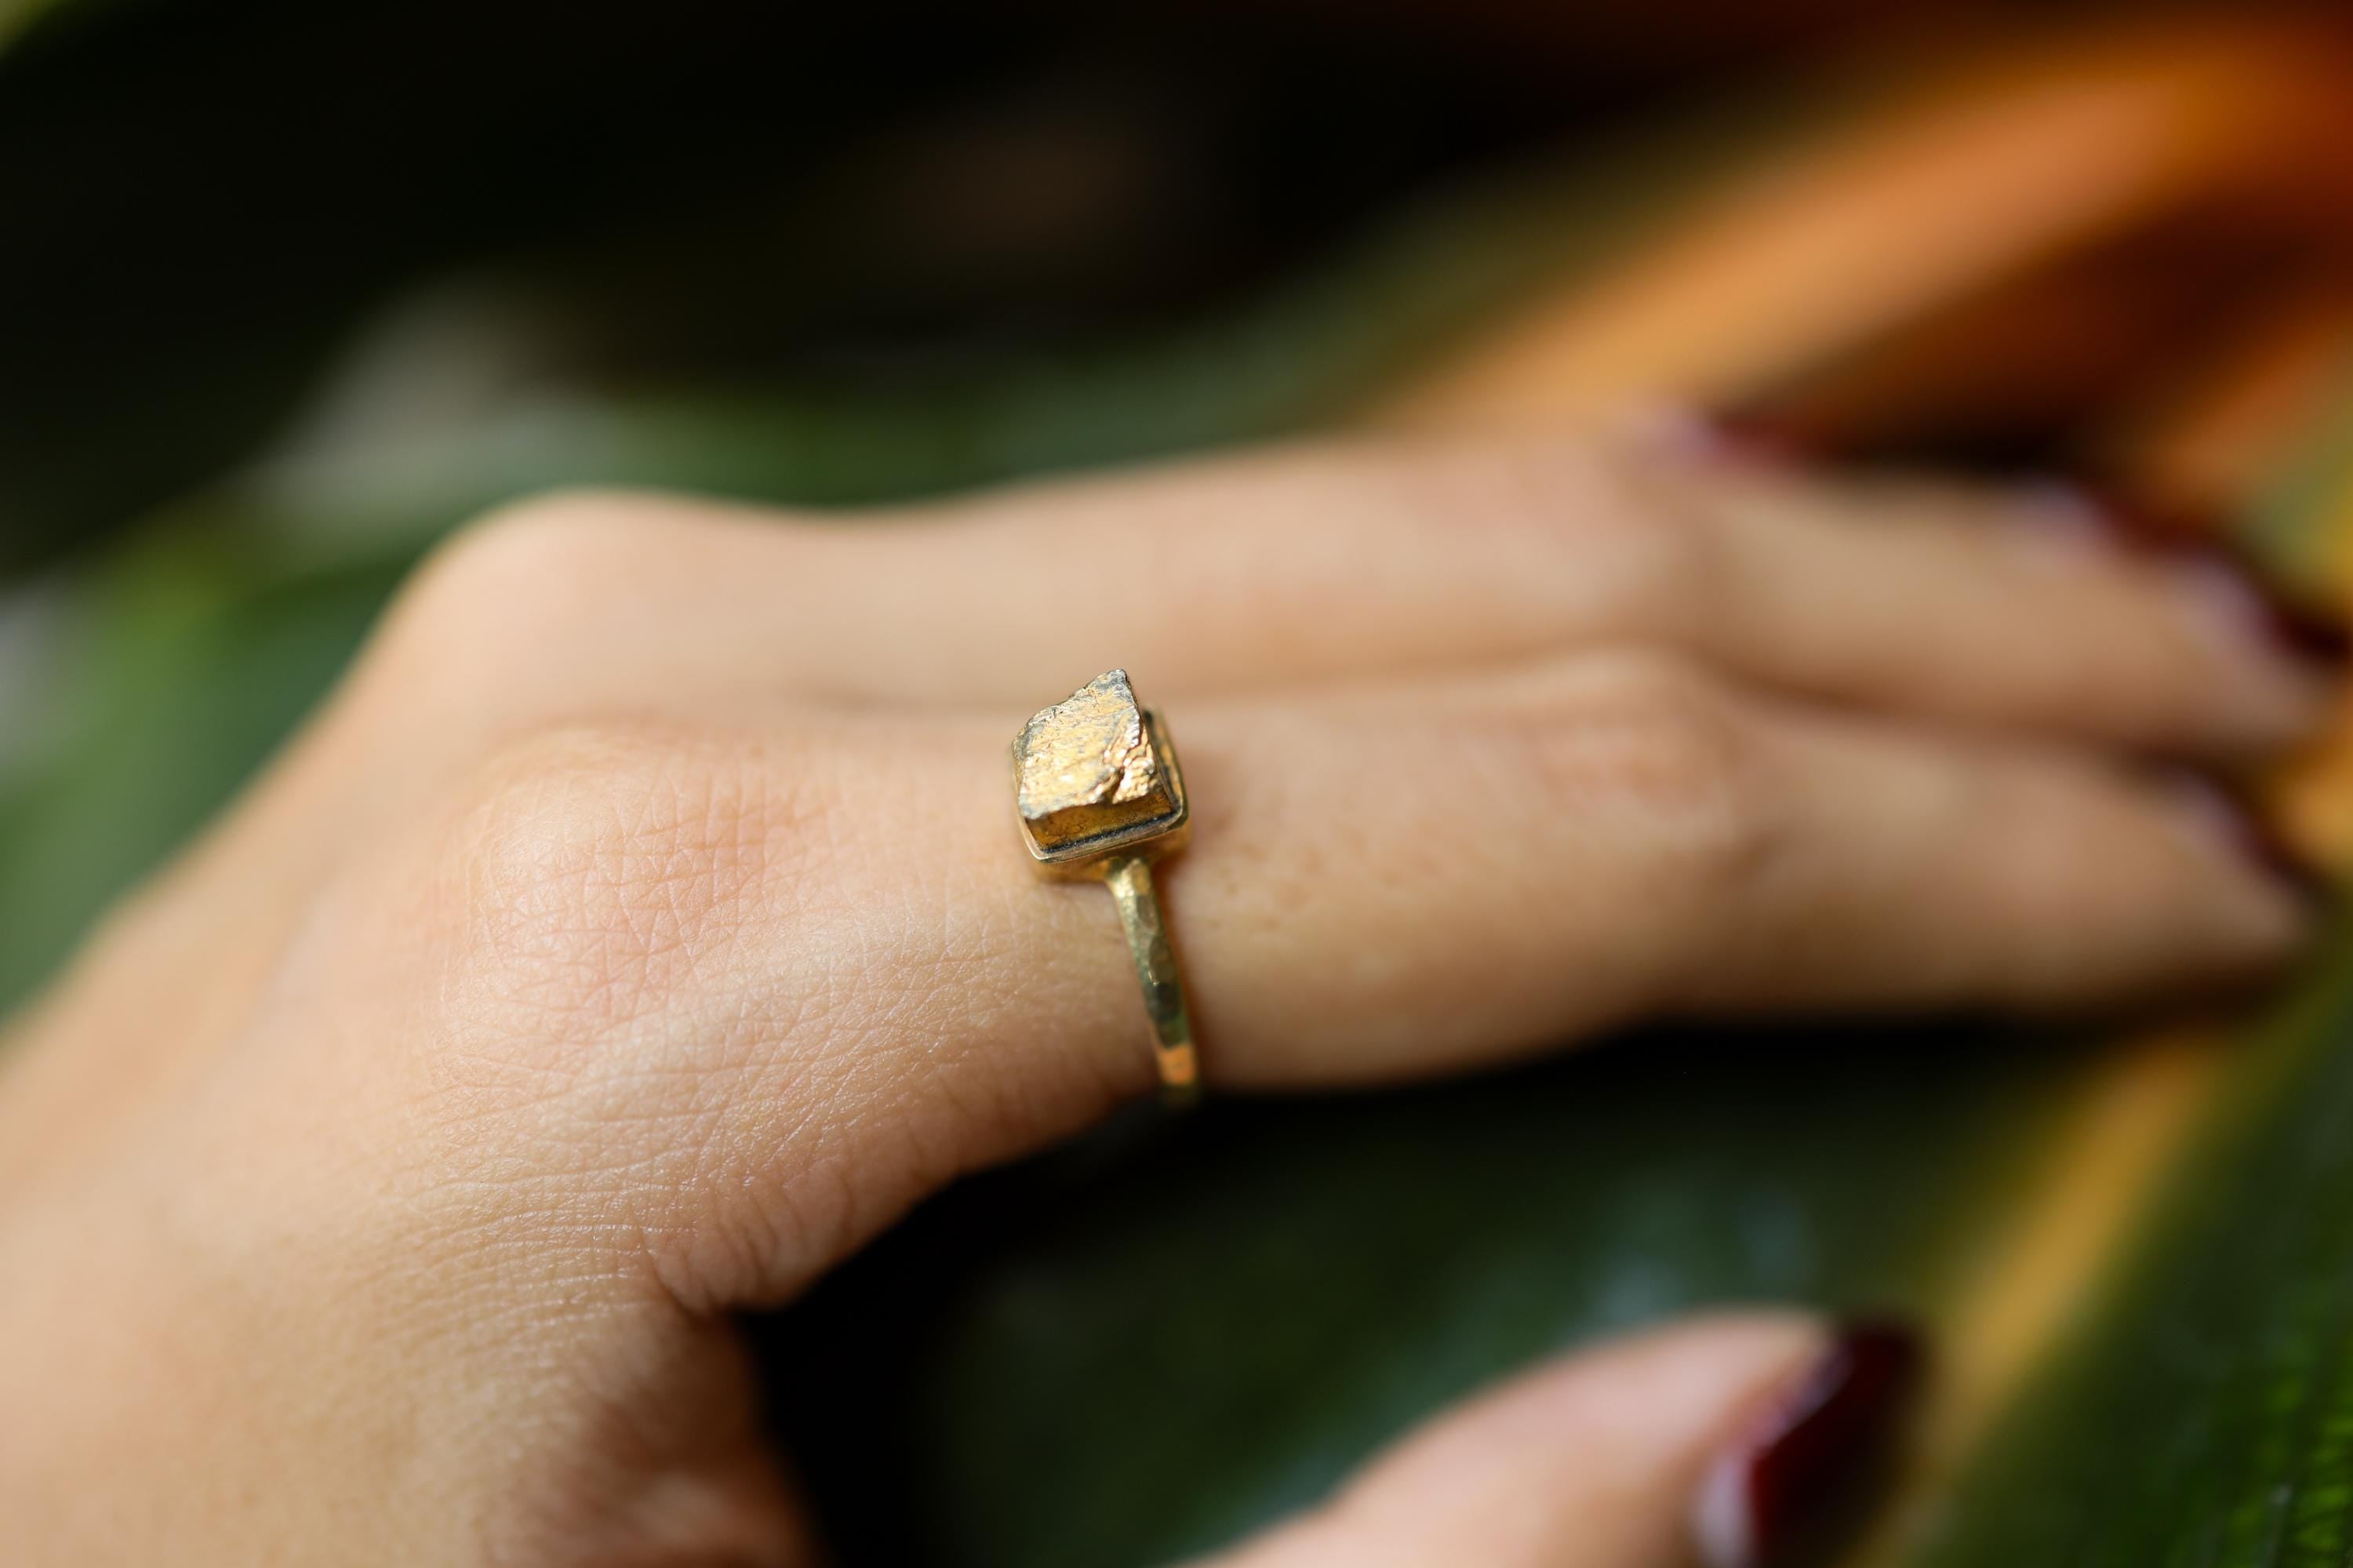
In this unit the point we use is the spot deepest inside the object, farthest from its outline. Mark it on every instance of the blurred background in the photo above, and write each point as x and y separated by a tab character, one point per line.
288	292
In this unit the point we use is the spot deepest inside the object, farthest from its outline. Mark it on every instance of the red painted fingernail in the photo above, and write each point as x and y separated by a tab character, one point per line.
1759	435
2141	526
2233	586
2240	822
2200	547
2311	634
1791	1482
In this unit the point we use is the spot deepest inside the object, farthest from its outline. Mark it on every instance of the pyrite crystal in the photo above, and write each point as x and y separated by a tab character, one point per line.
1093	774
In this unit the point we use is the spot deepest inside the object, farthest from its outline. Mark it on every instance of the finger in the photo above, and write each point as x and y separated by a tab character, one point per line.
1441	874
815	947
1727	1441
1974	603
2025	606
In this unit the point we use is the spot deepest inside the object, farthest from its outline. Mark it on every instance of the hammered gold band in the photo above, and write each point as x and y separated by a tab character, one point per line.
1099	797
1129	877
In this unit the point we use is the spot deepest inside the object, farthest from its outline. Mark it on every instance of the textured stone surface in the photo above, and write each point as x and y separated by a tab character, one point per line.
1089	749
1086	772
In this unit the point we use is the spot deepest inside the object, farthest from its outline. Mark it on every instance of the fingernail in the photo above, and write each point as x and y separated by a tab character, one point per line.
2133	524
1791	1482
2198	548
2227	814
2283	671
2052	520
2066	510
2240	603
1759	435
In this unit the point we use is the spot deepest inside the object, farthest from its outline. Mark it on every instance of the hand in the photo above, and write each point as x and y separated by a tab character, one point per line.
643	927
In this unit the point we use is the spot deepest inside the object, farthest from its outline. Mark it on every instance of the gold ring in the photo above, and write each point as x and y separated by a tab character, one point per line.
1096	786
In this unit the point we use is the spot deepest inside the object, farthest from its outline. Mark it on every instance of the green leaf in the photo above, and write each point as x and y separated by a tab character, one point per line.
2203	1413
184	678
1143	1346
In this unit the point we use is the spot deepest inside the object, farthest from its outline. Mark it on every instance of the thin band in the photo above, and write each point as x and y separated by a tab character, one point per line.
1129	877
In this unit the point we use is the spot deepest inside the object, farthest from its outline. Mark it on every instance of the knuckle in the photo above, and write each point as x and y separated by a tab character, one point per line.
1642	558
497	625
598	868
537	560
566	928
594	928
1676	765
1672	574
1656	562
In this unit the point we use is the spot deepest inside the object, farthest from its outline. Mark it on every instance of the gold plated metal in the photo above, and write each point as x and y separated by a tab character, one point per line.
1099	797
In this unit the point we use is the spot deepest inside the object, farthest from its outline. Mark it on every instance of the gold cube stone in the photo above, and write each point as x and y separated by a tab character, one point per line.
1095	776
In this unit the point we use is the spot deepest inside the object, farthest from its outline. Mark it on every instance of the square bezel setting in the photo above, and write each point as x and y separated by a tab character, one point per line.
1096	776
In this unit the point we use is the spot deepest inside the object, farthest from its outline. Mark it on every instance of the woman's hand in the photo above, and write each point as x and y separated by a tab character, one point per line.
644	927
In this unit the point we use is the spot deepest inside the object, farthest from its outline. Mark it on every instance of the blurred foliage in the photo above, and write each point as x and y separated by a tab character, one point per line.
210	199
1134	1350
2203	1411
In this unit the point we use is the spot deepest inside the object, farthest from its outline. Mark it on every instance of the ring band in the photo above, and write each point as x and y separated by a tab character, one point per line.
1099	797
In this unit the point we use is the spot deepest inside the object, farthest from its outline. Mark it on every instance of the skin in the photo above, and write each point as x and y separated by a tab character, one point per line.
642	928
